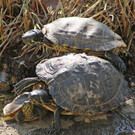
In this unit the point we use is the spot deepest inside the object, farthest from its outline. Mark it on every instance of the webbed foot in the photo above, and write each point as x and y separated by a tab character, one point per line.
53	130
116	60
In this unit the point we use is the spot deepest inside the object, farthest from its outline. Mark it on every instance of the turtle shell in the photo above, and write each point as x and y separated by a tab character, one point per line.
83	84
16	104
82	33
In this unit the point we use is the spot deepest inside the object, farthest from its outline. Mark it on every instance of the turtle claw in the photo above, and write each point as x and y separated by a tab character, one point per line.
53	130
116	60
122	66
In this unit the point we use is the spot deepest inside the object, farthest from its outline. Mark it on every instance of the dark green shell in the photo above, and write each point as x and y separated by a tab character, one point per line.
82	83
16	104
83	33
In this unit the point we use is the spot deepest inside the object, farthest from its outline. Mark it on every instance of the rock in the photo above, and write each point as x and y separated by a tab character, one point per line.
4	81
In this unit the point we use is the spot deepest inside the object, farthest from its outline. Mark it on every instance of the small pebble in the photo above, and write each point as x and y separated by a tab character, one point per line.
132	84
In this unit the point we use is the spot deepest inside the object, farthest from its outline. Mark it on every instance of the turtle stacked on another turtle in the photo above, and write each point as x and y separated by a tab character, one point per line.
78	84
77	34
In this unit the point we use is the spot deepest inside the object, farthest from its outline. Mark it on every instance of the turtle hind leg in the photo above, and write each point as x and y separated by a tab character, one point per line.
19	117
116	60
55	128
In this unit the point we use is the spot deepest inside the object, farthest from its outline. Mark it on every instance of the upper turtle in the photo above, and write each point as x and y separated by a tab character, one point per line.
81	33
77	34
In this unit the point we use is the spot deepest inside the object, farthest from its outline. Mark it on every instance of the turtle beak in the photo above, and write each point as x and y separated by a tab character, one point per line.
33	35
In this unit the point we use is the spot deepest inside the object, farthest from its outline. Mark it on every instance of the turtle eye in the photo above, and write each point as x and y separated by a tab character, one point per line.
38	96
34	98
38	36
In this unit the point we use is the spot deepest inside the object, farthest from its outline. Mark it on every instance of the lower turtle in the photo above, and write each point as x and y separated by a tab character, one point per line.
22	109
78	84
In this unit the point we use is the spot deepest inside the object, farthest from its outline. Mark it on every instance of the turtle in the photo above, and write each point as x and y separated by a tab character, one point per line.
78	84
22	109
78	35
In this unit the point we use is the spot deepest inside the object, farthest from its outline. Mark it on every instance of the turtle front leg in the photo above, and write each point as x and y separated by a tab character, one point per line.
116	60
55	128
40	112
26	84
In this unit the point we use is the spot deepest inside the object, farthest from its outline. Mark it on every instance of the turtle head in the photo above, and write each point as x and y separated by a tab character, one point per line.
32	37
39	96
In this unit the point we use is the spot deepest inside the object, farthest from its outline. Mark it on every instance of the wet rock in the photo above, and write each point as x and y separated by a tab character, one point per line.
4	81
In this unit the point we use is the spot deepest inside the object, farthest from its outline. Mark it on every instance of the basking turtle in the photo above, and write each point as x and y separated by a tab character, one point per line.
76	34
22	109
78	84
